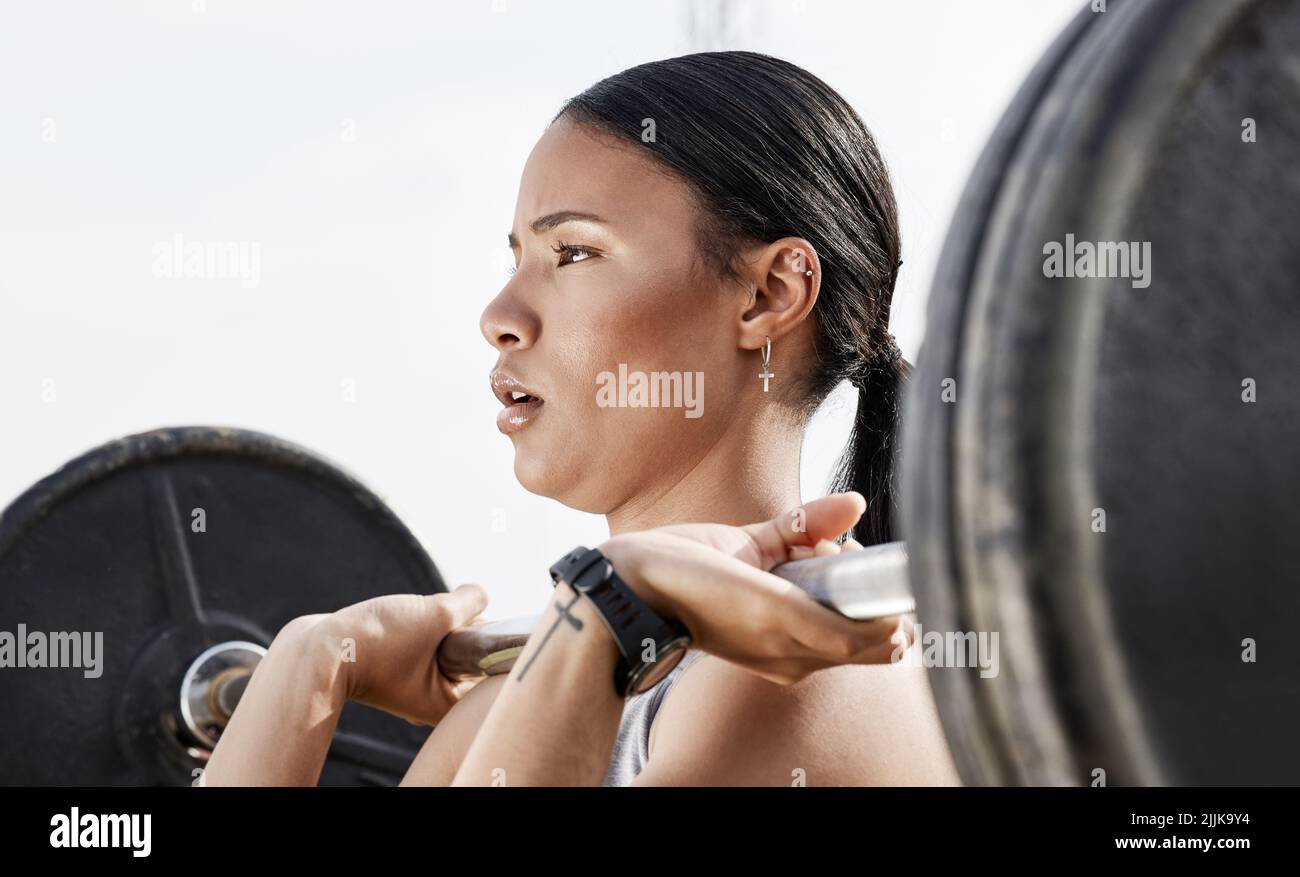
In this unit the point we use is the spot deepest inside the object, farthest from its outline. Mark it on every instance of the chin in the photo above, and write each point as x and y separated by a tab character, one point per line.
538	471
567	481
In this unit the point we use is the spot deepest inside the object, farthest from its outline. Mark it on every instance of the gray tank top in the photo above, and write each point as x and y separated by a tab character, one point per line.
632	747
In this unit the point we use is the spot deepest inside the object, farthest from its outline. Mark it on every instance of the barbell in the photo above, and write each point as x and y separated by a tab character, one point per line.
1100	465
186	550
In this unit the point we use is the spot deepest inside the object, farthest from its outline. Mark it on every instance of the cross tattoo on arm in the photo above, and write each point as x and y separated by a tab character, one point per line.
564	615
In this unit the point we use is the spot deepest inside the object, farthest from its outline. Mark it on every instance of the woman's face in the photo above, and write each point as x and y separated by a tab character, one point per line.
600	307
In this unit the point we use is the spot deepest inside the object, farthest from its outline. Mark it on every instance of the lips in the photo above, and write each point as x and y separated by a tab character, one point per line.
522	402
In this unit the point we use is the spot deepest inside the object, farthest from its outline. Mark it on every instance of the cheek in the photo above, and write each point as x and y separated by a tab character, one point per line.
593	453
650	327
648	321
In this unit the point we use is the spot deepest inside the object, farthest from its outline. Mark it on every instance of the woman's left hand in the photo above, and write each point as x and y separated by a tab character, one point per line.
714	579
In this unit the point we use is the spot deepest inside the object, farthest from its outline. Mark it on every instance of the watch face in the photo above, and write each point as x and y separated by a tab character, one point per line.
650	674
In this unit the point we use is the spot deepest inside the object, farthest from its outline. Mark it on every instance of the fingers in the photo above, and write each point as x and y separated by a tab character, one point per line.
463	687
885	641
826	634
823	548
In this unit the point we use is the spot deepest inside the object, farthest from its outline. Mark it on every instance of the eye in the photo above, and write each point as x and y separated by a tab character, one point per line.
566	250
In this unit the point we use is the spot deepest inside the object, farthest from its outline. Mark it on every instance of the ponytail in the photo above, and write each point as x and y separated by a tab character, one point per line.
868	463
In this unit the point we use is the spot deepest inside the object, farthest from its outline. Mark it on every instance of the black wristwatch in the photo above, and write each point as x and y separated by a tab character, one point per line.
628	618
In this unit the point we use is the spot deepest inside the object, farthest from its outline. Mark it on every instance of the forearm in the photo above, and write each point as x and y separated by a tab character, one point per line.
556	717
281	732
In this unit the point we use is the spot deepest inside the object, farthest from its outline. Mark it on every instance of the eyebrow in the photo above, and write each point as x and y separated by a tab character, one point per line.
551	220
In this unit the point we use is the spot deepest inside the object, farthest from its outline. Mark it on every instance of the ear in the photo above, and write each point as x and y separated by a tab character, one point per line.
782	293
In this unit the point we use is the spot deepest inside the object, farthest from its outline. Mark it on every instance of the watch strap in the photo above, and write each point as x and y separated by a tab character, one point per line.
627	617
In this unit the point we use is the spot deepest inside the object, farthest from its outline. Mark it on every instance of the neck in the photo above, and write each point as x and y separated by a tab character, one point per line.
749	475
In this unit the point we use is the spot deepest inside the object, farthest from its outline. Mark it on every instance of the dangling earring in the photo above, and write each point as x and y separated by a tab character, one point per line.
767	360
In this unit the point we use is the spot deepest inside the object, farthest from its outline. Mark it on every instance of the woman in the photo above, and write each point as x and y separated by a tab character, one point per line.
723	219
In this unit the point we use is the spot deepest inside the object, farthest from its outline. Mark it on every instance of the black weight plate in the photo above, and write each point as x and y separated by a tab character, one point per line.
1202	488
1121	651
106	544
928	456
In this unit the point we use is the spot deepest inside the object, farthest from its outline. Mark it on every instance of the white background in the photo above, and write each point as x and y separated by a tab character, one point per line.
228	123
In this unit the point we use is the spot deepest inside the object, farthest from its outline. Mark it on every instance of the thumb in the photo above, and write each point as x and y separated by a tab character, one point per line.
464	603
808	524
832	515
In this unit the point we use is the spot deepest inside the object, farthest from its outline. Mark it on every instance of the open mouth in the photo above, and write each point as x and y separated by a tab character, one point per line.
521	403
522	410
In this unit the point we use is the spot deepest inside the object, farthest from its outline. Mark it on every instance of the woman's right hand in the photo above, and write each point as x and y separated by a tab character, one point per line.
381	652
388	647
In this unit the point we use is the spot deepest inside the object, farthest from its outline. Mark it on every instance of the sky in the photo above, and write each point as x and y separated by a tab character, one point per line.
367	156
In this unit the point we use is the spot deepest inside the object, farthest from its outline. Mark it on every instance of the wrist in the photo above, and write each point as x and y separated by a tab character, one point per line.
627	553
642	623
596	643
314	644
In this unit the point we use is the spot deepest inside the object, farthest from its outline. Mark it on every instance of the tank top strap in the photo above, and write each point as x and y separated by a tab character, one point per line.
632	745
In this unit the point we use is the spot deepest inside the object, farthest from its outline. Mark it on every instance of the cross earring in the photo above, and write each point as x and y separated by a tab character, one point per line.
767	360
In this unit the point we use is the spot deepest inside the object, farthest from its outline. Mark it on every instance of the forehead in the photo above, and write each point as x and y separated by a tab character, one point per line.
574	167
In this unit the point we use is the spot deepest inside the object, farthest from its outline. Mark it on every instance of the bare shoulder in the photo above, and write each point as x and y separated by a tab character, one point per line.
853	725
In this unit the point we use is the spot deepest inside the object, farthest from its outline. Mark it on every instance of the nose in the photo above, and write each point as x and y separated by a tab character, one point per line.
508	324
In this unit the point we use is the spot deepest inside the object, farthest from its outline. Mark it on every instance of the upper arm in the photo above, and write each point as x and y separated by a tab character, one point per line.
445	747
851	725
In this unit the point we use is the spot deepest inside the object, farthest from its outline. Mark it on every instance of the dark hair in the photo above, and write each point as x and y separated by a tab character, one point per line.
771	151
